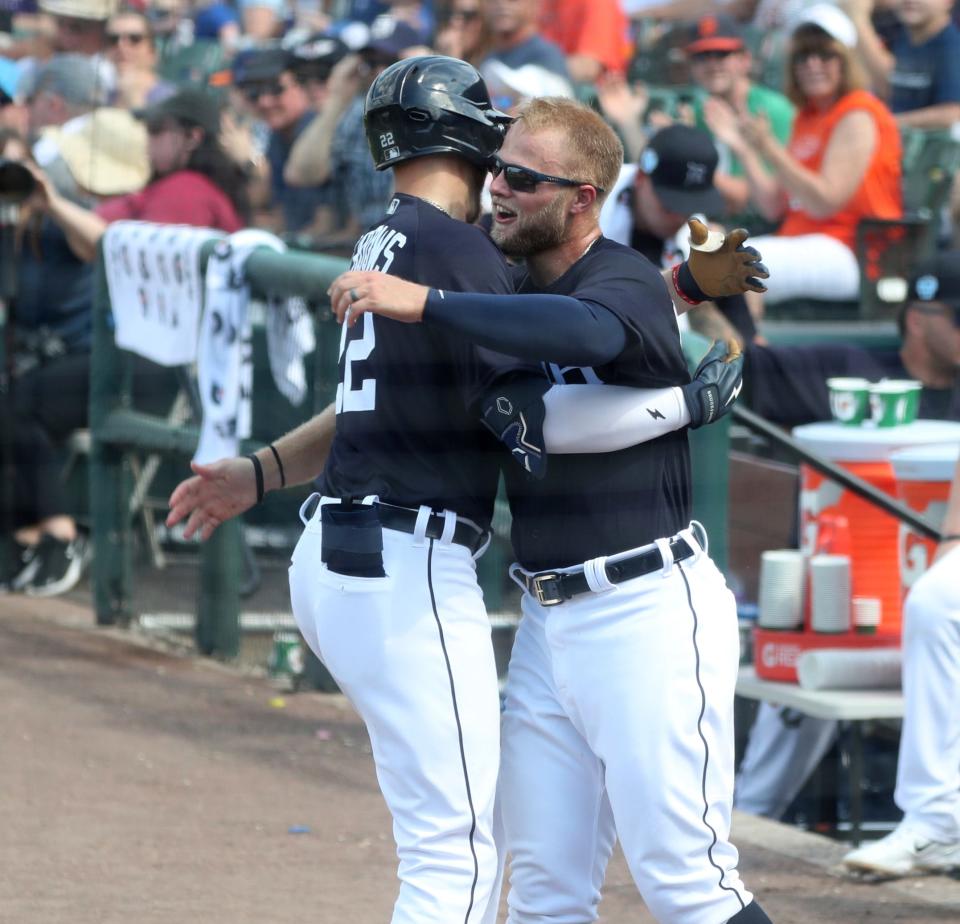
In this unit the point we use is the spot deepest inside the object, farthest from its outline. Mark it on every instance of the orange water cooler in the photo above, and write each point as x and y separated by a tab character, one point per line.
874	536
923	476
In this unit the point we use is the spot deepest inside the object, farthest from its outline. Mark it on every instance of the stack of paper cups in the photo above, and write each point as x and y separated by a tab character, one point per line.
781	589
830	593
866	613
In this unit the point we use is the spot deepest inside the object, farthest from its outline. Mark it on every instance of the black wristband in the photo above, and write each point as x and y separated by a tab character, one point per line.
258	474
687	286
276	455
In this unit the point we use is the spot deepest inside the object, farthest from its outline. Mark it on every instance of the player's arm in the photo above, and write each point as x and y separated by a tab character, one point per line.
228	487
719	265
534	423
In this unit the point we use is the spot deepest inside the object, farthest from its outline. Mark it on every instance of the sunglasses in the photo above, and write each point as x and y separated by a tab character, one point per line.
253	92
523	179
824	55
131	38
463	15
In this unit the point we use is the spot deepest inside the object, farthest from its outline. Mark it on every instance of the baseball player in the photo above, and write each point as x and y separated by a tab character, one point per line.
382	581
619	705
928	771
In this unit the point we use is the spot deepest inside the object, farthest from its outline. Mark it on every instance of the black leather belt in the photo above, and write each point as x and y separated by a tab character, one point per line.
404	519
551	588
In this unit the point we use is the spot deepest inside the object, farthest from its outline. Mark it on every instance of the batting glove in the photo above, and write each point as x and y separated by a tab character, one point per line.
720	264
716	383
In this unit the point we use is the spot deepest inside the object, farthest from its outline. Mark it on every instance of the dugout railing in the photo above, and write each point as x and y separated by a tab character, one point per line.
119	432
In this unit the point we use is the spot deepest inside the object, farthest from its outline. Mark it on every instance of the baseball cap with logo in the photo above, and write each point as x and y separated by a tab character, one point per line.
315	56
937	279
715	33
680	162
391	37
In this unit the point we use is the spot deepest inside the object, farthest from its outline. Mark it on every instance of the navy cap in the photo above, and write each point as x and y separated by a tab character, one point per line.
315	56
391	37
258	65
681	162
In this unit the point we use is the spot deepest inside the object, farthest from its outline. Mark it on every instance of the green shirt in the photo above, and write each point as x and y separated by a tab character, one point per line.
779	110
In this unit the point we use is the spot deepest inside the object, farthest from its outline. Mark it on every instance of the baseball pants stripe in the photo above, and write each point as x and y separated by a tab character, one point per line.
619	708
412	651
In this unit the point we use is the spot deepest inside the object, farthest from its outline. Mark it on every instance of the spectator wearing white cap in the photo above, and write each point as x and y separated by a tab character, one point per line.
842	164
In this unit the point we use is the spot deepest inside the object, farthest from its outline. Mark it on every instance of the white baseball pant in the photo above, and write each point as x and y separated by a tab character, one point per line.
619	722
928	771
413	653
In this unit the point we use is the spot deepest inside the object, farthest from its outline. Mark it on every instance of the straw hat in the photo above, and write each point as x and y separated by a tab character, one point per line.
95	10
105	151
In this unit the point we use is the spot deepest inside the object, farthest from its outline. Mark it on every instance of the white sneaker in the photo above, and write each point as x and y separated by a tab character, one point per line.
903	853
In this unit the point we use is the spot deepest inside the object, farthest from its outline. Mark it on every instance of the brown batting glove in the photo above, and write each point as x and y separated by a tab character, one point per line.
719	265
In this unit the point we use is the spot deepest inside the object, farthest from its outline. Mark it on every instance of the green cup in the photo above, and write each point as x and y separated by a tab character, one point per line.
894	402
849	400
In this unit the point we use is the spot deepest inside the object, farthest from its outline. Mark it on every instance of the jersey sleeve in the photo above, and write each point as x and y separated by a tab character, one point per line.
632	289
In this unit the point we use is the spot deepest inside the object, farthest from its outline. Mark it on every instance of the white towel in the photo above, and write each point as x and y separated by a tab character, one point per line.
850	669
225	368
153	276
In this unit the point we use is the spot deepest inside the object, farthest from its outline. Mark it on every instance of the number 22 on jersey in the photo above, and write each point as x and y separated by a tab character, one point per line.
356	349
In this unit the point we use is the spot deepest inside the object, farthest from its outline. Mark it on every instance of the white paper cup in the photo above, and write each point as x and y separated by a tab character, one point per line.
781	589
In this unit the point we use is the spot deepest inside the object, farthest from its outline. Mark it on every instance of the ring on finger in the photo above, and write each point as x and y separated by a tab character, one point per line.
354	296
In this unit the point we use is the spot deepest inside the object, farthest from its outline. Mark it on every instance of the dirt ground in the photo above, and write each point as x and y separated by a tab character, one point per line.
139	783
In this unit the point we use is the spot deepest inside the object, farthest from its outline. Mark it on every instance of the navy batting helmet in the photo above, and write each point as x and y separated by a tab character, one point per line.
432	105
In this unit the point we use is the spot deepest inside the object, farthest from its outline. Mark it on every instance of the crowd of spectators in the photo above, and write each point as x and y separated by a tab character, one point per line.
782	116
787	117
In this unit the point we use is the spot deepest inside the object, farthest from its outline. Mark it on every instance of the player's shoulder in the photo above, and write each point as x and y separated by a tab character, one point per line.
610	257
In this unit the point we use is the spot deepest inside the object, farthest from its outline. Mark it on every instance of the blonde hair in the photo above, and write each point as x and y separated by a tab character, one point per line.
813	38
594	153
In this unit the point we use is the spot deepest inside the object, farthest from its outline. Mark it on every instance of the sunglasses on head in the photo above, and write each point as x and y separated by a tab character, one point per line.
523	179
131	38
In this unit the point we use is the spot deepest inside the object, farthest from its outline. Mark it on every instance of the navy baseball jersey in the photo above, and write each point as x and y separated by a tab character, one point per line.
598	504
408	426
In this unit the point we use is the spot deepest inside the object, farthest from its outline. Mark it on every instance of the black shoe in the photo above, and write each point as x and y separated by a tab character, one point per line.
61	566
18	565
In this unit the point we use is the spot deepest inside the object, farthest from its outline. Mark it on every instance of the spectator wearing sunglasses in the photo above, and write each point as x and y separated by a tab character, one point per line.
842	164
133	51
720	64
268	85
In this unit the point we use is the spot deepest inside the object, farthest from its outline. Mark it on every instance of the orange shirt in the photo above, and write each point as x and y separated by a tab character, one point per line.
595	28
879	195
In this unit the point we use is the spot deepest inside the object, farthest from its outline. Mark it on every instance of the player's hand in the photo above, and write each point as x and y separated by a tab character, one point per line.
214	494
721	265
716	383
353	293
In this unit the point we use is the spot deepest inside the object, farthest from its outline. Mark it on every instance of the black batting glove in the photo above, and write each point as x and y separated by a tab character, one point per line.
716	383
